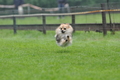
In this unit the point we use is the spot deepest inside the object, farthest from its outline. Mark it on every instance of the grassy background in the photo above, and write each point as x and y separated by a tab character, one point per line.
31	55
88	18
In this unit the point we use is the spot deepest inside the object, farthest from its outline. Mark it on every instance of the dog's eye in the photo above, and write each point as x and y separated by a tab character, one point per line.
64	28
61	28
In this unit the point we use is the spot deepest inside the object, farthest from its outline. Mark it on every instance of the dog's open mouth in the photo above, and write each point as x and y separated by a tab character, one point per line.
63	31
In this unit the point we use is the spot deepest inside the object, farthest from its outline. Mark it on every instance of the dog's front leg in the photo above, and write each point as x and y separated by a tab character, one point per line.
68	38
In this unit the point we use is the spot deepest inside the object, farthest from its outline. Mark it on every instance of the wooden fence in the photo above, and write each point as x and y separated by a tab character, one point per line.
103	11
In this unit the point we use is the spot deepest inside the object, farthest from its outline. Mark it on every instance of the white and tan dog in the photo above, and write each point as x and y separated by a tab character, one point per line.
64	35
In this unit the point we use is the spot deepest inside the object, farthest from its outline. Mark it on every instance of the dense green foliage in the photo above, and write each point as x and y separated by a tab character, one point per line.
31	55
53	3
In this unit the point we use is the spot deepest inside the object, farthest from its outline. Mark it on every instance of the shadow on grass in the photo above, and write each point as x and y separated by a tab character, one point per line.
63	51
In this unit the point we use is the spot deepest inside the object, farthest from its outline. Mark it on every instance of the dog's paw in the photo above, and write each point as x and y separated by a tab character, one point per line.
68	36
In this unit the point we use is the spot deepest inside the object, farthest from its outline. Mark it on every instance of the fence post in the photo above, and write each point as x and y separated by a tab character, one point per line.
104	20
73	22
44	24
14	25
108	7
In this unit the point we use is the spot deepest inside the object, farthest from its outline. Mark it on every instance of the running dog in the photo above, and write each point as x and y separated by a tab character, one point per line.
64	35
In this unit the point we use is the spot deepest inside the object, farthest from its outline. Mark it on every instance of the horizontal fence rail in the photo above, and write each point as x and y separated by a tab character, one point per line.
82	27
57	14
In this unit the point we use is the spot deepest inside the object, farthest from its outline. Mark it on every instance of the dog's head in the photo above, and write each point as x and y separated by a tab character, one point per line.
64	28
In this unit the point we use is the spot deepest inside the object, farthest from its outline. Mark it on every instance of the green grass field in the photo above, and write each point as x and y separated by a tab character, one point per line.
89	18
31	55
